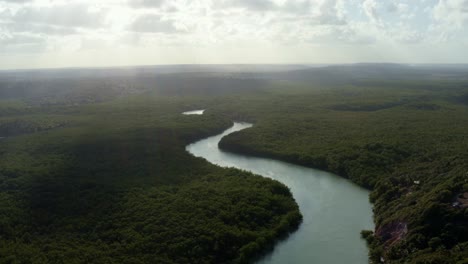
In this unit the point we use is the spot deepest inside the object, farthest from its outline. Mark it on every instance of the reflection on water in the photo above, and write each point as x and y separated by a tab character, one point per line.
194	112
334	209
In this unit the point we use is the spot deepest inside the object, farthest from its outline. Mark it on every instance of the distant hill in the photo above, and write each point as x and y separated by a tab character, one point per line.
88	85
373	71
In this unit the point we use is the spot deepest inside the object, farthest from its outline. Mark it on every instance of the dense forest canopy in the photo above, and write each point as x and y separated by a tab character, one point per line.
112	183
93	166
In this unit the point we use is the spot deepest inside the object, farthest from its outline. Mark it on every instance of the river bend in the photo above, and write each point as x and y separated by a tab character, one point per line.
335	210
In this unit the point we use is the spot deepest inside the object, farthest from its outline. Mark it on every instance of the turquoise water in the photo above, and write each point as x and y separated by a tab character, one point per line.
335	210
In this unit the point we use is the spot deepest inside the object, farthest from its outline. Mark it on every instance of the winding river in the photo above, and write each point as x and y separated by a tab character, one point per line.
334	209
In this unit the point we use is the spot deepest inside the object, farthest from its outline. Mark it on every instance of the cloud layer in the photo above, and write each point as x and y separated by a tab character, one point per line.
186	31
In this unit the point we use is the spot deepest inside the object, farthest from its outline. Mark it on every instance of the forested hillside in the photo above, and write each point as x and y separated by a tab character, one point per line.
112	183
93	168
405	140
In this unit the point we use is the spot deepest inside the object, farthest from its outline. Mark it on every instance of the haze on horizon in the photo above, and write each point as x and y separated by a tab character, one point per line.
80	33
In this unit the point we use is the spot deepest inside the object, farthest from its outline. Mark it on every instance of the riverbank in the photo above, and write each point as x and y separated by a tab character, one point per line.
391	232
115	185
413	159
324	199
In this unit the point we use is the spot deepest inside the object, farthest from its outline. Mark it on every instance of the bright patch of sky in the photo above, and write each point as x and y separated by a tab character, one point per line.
74	33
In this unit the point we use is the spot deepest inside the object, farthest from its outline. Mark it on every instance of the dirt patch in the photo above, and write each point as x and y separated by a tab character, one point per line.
392	233
461	201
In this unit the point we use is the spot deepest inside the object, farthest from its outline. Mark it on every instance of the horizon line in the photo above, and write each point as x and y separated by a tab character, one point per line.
218	64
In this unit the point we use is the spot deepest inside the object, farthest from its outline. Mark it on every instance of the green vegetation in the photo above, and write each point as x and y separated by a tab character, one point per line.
112	183
407	141
95	170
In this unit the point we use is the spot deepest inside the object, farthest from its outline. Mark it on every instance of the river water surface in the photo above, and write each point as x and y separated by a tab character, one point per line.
334	209
194	112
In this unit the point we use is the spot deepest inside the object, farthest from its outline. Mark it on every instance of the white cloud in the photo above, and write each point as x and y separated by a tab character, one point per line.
21	43
40	29
154	24
69	15
254	5
74	26
146	3
16	1
452	12
370	9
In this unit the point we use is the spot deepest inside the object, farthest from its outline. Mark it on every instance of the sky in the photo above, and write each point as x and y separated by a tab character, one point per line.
81	33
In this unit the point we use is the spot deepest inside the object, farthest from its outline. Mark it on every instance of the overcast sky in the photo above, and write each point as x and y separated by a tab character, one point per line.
70	33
